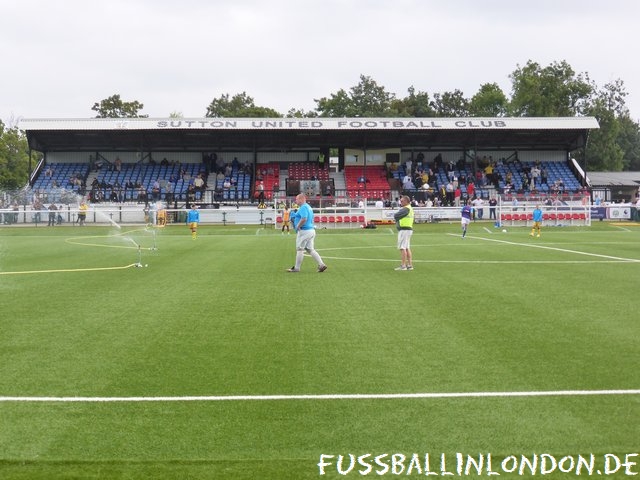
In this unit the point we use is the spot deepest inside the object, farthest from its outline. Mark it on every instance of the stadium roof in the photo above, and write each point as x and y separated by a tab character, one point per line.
306	134
625	179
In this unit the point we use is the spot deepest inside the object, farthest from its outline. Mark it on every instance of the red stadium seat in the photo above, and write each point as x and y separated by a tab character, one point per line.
338	218
331	219
361	219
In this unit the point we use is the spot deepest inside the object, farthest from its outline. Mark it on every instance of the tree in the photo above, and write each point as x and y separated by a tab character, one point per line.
301	113
413	105
612	96
371	99
366	99
14	158
339	104
603	150
490	101
240	105
115	107
625	131
552	91
615	146
629	142
450	104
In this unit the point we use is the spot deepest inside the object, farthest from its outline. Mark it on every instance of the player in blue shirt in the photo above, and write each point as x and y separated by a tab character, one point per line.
306	233
193	218
537	220
465	217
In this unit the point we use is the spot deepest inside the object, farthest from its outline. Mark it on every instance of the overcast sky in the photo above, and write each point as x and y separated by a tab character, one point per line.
60	57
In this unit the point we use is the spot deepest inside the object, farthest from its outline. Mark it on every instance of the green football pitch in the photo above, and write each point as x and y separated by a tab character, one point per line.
135	352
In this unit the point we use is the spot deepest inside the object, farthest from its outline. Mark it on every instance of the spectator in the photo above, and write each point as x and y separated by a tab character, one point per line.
492	208
155	191
52	215
198	183
142	195
260	193
478	205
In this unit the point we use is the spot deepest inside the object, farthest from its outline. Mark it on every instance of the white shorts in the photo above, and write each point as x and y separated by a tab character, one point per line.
404	239
465	221
305	239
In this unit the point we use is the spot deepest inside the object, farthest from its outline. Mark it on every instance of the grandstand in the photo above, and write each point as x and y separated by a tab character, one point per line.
119	160
66	183
371	183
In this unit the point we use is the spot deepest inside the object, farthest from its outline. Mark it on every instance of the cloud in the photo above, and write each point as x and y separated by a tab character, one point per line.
64	56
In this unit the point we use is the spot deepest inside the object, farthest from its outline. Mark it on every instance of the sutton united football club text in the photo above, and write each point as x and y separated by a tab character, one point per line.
318	124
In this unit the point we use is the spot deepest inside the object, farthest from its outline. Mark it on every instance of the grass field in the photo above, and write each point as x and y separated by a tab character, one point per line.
213	362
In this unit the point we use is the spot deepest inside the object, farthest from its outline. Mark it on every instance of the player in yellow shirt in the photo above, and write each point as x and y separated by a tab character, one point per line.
286	220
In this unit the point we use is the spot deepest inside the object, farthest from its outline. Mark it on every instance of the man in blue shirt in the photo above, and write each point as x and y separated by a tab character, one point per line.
306	233
537	220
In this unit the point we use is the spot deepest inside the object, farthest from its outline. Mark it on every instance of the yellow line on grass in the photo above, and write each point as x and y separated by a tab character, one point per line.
69	270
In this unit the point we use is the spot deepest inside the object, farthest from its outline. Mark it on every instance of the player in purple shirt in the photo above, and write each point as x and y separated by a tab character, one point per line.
465	219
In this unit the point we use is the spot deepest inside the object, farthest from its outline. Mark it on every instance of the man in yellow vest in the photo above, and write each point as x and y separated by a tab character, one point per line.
404	224
82	212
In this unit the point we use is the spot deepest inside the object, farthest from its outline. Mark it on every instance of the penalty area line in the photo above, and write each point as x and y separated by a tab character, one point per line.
364	396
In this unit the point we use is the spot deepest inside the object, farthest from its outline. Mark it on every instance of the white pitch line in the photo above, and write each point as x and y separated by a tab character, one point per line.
564	250
478	262
363	396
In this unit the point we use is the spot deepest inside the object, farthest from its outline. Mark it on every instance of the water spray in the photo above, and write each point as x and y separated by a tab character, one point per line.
139	263
155	247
